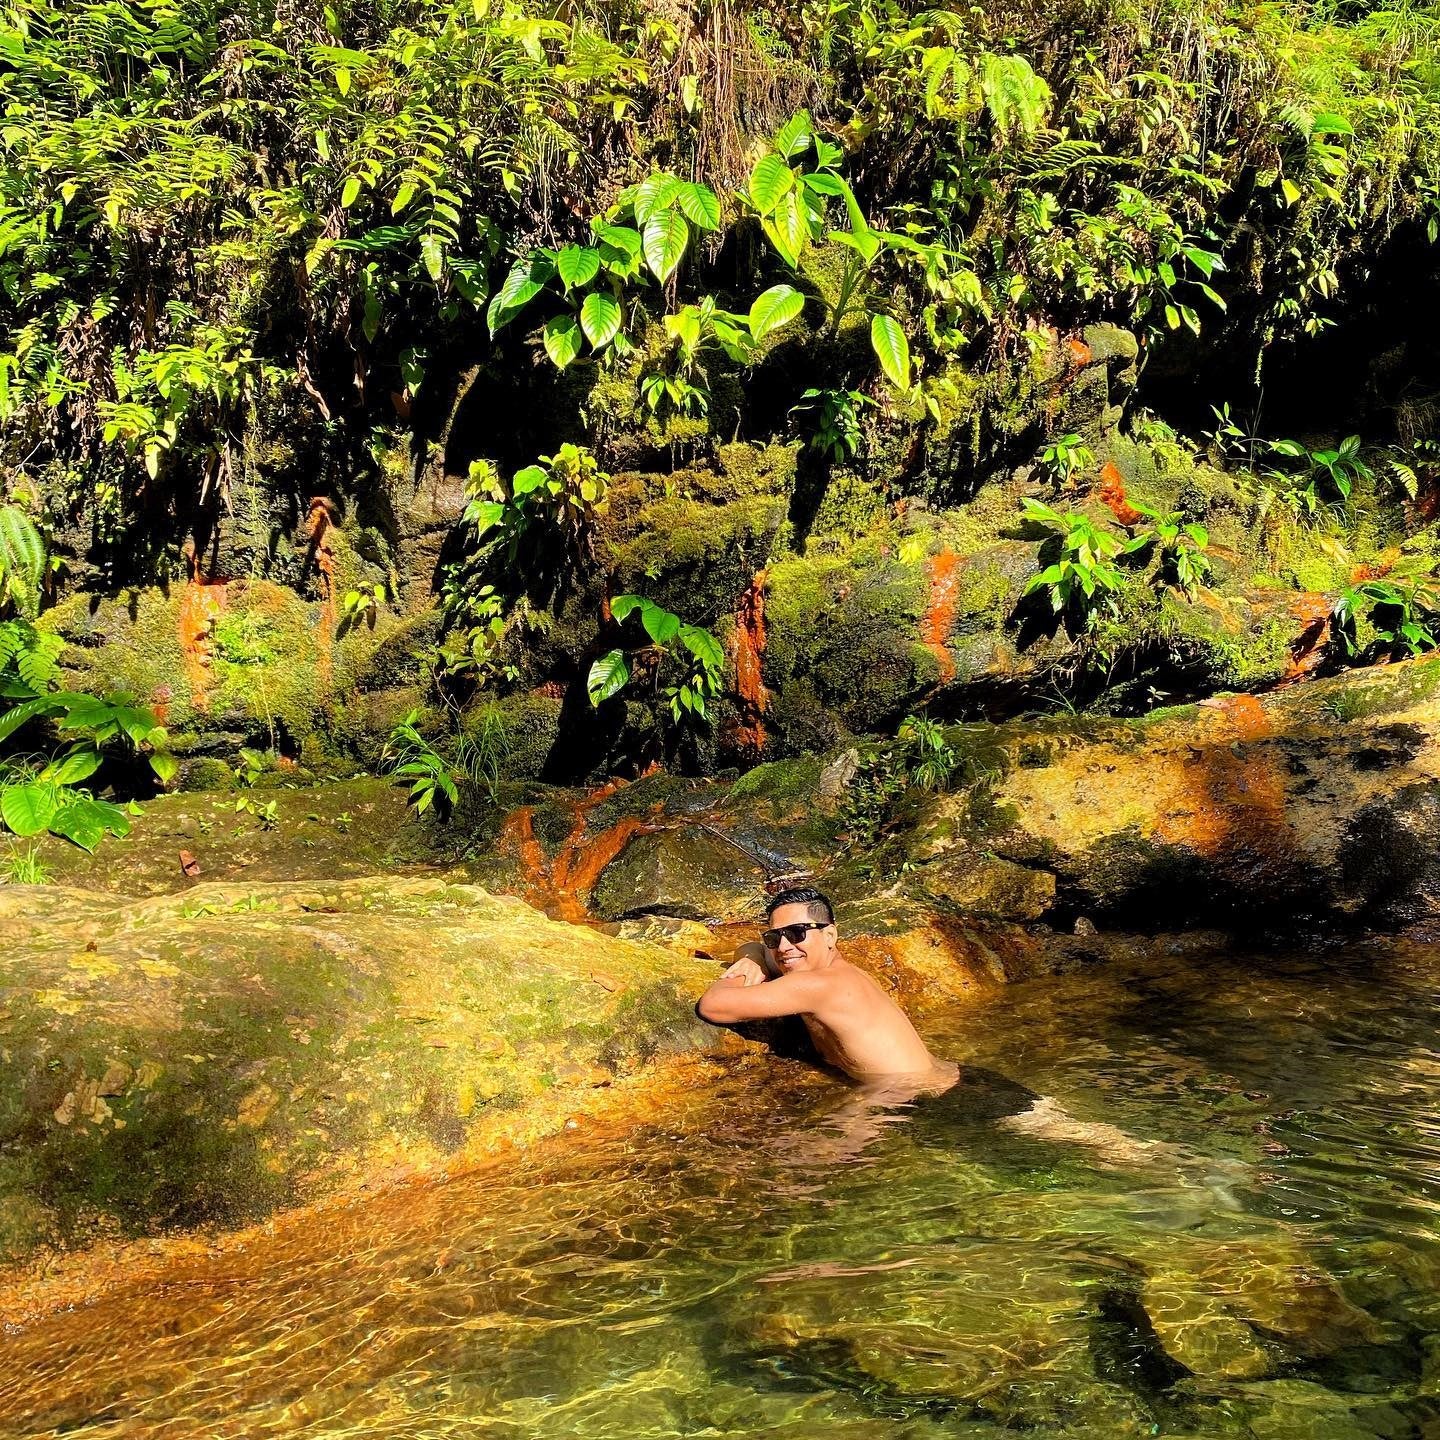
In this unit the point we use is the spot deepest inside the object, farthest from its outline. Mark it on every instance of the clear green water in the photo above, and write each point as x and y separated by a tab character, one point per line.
763	1268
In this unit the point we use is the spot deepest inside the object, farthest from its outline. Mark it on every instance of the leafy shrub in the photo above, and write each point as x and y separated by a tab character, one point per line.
1181	547
44	792
1080	575
692	657
1401	610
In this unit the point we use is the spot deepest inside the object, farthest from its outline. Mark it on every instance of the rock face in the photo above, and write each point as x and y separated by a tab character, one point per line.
203	1059
1319	802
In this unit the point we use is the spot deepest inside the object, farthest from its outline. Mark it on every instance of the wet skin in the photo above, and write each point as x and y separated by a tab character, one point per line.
861	1031
855	1025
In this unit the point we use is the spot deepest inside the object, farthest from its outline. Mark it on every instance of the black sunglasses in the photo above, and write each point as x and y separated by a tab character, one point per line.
793	933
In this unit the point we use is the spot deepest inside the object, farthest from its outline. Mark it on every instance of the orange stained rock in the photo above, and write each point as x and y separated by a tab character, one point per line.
517	834
560	887
1307	650
1232	792
747	650
201	604
1079	351
1110	491
939	617
319	523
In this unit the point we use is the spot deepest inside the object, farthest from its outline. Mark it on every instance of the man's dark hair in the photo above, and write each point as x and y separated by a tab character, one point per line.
817	905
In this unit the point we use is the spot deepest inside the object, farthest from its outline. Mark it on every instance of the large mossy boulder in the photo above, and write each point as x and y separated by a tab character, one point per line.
1319	801
203	1059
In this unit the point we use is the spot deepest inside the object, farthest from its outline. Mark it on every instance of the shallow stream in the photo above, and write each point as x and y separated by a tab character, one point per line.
779	1263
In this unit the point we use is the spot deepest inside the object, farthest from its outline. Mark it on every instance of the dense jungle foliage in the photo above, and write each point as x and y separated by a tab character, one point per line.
251	252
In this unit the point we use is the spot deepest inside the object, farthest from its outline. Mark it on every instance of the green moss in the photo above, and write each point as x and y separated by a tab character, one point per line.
525	728
848	625
853	505
697	559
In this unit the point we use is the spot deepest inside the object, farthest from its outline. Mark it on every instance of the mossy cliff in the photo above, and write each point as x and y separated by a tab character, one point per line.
842	605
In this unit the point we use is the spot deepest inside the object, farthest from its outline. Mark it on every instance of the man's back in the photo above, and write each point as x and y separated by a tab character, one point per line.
859	1029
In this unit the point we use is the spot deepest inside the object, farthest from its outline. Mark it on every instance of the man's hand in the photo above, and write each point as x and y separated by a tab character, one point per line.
746	971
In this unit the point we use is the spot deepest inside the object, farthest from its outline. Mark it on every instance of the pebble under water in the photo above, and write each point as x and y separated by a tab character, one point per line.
783	1261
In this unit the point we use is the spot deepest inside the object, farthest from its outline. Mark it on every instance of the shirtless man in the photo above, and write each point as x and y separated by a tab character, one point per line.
860	1030
855	1025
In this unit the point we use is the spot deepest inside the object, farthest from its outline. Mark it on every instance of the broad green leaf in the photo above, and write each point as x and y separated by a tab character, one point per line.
85	820
1290	190
28	809
403	196
350	191
661	625
608	675
532	477
794	136
666	237
432	252
787	228
165	765
622	606
777	306
527	277
700	205
685	326
78	765
562	340
655	195
703	646
600	318
577	265
619	237
892	349
770	181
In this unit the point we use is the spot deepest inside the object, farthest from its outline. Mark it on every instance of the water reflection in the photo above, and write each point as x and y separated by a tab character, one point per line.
787	1257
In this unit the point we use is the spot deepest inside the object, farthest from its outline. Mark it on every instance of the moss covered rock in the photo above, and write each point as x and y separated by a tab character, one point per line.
204	1059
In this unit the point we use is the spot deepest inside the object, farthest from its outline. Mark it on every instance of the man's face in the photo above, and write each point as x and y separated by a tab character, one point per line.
813	951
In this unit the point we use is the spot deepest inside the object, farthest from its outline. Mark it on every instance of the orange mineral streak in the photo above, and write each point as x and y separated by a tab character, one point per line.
1110	491
1079	351
747	650
319	523
1233	789
561	886
201	604
1307	650
939	617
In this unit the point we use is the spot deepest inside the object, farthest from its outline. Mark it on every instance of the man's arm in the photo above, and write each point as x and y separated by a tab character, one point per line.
730	999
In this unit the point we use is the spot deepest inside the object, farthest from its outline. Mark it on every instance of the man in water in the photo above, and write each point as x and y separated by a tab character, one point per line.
859	1029
855	1025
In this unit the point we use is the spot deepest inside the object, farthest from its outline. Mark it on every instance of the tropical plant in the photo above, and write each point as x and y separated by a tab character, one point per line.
644	235
1401	610
1335	470
1079	573
930	759
415	762
361	607
790	188
1066	456
836	417
562	495
23	562
693	657
704	325
1180	544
